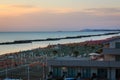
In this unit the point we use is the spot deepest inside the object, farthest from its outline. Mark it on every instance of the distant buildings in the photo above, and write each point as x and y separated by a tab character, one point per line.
106	66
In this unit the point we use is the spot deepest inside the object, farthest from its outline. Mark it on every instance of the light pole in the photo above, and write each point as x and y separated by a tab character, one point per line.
43	71
64	69
44	66
6	72
28	72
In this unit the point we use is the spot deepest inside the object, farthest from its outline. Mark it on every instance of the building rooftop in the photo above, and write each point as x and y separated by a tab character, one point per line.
71	58
63	61
112	51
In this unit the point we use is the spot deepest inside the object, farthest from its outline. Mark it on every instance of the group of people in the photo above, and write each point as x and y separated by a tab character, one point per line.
78	77
93	77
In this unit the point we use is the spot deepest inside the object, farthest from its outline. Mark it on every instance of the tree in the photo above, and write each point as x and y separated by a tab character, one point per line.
99	51
55	52
75	53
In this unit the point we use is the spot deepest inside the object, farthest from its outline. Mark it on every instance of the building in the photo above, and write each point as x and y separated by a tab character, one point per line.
108	68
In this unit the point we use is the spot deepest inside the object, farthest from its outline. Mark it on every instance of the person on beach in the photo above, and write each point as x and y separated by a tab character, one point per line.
94	76
50	76
78	77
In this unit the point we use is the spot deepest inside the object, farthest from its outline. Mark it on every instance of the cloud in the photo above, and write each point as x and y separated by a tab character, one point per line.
16	10
52	21
52	10
37	18
23	6
103	11
61	10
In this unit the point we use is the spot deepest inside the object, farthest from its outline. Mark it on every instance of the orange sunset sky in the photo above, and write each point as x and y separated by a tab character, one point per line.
55	15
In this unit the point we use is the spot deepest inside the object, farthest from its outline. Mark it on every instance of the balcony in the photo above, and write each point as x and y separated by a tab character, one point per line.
84	63
112	51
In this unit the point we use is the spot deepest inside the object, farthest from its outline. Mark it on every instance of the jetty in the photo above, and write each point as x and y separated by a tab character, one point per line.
56	39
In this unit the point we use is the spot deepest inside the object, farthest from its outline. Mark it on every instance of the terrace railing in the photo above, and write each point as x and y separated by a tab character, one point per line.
84	63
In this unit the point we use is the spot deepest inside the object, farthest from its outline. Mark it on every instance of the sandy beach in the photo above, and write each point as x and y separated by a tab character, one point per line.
36	57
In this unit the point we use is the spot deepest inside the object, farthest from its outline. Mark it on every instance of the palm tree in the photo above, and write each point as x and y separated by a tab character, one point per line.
99	51
75	53
55	52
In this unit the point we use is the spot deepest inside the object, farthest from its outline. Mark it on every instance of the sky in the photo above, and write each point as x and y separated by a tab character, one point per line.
59	15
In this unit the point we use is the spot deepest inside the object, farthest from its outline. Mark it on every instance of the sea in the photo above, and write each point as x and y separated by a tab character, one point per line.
13	36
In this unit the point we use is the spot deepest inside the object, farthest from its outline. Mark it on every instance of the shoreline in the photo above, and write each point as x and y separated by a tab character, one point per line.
31	57
54	39
84	43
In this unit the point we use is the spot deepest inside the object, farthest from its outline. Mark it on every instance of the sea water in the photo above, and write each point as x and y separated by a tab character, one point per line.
12	36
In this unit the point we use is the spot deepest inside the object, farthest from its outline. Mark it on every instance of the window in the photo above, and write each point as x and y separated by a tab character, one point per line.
86	72
117	58
117	73
72	72
56	71
102	73
117	45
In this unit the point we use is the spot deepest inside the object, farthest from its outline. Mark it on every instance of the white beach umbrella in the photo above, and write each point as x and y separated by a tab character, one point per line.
94	54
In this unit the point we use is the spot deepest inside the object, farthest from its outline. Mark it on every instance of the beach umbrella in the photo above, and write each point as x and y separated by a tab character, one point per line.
94	54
